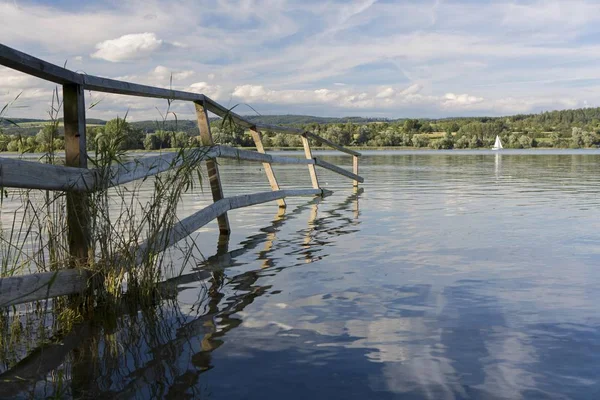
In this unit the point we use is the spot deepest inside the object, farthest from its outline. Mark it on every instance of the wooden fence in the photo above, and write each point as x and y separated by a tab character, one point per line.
77	180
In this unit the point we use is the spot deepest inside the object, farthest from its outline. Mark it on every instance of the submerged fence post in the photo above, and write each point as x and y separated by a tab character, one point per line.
78	213
311	167
355	168
257	137
213	170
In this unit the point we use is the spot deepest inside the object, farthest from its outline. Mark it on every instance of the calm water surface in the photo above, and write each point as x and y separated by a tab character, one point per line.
453	275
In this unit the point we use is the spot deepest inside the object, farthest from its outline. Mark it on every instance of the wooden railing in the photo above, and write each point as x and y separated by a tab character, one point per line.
77	180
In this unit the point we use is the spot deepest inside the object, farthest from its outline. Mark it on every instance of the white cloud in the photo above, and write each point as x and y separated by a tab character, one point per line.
385	93
386	98
251	92
213	91
11	79
365	57
164	73
412	89
128	47
460	100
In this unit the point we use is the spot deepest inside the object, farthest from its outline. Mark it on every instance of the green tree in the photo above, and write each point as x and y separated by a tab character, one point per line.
555	139
452	127
4	140
362	136
513	141
590	139
59	143
45	138
475	142
338	134
461	143
152	142
412	125
13	145
279	140
526	142
577	138
180	140
119	134
426	128
447	142
405	139
230	134
420	140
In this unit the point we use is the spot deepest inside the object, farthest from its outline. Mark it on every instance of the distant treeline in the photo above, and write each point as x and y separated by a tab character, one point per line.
568	128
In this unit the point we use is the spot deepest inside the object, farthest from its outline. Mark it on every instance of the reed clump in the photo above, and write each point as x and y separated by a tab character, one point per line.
129	224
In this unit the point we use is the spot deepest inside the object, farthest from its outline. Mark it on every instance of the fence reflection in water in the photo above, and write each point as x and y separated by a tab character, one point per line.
162	351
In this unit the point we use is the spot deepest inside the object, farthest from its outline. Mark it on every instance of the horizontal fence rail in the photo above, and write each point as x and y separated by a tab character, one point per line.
75	176
39	286
24	174
32	287
200	218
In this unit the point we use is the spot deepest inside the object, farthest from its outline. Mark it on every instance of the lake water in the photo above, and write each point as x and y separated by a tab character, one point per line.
449	275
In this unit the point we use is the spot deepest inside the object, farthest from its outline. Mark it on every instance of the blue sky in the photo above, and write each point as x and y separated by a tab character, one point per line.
330	58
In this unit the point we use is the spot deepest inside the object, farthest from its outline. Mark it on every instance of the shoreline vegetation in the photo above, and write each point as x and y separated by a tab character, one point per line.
557	129
59	153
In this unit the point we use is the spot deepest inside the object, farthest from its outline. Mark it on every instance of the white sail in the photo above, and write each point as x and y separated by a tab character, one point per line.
497	144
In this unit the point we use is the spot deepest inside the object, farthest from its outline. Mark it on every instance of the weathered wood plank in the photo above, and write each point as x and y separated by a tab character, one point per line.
256	136
78	213
153	165
35	175
188	225
19	61
311	168
107	85
239	154
141	168
211	165
148	166
336	169
25	288
331	144
247	155
355	169
74	121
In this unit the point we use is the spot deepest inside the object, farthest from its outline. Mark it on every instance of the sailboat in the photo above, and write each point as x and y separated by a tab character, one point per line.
497	144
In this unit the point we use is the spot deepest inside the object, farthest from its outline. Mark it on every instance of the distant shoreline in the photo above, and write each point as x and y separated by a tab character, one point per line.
360	148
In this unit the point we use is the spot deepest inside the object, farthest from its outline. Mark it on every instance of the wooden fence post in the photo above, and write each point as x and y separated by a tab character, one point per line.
211	164
355	168
311	168
78	212
267	166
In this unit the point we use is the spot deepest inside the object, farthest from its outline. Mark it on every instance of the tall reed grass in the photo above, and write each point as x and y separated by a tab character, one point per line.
126	224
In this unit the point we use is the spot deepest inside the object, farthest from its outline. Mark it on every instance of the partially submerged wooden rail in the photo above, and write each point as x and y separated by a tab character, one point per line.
26	288
78	180
34	175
